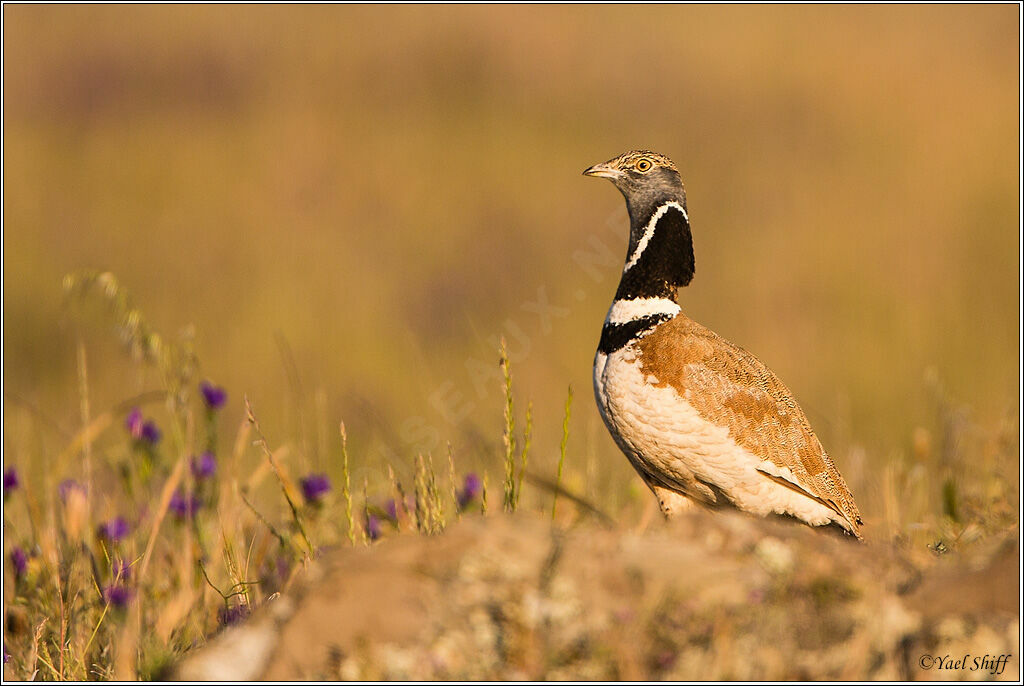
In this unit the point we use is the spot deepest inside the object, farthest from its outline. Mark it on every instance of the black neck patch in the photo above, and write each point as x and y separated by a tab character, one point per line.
666	262
616	336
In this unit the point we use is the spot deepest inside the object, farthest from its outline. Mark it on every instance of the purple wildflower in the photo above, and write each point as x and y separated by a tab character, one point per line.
133	422
65	487
184	506
19	560
114	530
215	396
391	508
11	480
140	429
283	568
315	487
232	615
151	432
121	569
204	466
118	595
472	487
7	656
373	528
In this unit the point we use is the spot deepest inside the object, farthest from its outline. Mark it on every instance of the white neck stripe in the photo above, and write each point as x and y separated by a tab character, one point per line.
624	311
649	231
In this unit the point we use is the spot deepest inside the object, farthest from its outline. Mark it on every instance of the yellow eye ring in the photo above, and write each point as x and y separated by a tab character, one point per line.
643	165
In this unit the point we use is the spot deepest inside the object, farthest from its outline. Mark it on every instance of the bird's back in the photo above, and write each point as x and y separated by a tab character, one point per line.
730	387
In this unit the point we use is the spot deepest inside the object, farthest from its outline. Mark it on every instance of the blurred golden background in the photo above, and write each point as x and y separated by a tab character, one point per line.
353	204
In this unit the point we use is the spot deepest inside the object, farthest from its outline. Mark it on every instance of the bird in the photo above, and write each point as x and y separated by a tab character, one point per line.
703	422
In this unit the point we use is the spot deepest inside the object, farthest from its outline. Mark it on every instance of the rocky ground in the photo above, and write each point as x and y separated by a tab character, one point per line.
711	596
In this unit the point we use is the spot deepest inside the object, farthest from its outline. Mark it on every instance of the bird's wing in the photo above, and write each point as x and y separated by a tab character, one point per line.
732	388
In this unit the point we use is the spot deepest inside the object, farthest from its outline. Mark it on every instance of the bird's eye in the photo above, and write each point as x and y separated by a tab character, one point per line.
643	165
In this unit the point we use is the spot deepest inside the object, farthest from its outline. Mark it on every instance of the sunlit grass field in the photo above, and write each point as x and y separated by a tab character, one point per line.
339	213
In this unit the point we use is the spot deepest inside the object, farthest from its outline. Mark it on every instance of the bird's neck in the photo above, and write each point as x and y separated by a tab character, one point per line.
660	255
659	261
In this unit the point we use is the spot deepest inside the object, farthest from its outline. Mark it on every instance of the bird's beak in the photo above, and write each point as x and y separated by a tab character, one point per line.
603	170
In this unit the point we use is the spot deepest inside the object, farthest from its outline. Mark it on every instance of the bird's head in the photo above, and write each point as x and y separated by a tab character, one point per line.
646	179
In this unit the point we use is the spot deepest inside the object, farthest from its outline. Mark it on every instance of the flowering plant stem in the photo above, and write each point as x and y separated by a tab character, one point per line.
280	477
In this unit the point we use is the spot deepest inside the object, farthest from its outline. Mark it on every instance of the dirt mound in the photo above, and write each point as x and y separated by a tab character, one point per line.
712	596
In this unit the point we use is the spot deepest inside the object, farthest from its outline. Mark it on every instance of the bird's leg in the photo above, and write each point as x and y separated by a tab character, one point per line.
672	503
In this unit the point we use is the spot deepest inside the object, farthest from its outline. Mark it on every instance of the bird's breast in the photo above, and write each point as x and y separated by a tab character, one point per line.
660	428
